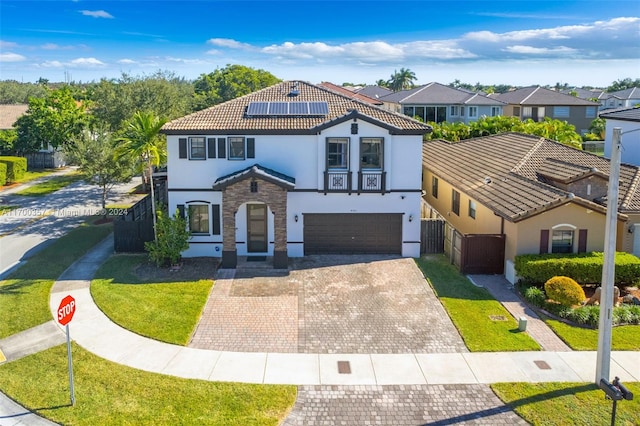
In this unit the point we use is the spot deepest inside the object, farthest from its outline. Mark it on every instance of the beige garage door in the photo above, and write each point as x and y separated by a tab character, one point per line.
353	233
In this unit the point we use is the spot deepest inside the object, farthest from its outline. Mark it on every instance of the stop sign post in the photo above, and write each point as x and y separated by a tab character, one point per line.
65	314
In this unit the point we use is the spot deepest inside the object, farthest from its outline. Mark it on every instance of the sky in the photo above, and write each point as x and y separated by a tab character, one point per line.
516	42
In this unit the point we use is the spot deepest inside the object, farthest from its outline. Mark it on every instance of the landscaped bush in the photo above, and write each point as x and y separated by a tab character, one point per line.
16	167
565	291
3	174
582	267
535	295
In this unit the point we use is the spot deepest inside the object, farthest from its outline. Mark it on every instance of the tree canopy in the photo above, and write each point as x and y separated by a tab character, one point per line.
229	83
402	80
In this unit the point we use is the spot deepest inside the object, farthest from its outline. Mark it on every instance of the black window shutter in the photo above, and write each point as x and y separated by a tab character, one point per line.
216	219
211	147
181	210
182	148
544	241
222	148
251	148
582	241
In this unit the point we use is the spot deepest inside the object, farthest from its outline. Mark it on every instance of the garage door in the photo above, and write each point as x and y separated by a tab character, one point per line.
353	233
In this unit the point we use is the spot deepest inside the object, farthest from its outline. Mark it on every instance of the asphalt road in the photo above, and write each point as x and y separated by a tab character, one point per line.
40	220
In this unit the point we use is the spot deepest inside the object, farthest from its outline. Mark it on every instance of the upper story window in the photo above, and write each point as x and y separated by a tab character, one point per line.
434	186
371	153
473	111
472	209
199	218
236	148
562	241
197	148
590	112
455	202
495	111
337	153
561	111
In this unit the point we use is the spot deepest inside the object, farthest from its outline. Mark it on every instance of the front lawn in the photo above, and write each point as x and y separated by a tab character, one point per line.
51	185
112	394
163	310
569	404
623	337
470	309
24	295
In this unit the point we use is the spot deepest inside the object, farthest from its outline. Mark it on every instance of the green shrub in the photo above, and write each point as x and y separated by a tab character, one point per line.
582	267
172	239
16	167
535	296
564	290
3	174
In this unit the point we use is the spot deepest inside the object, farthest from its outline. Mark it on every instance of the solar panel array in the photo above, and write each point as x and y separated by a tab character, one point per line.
287	108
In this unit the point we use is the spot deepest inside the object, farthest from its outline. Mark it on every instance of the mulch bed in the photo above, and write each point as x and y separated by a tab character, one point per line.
190	269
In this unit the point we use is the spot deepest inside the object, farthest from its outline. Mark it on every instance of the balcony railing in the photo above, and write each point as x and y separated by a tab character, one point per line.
341	181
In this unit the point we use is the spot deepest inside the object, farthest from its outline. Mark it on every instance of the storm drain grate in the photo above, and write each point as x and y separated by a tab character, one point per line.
542	365
497	318
344	367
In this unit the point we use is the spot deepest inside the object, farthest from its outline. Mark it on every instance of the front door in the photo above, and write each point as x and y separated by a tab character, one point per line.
256	228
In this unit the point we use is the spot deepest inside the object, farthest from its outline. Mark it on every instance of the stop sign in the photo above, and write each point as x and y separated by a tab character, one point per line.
66	310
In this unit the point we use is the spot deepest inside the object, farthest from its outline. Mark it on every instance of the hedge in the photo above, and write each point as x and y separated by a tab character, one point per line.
3	174
585	268
16	168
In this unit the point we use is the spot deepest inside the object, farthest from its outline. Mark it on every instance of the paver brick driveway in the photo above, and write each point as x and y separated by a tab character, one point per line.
327	304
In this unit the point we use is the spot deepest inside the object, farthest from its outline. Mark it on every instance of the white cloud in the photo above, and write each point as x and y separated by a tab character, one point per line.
97	14
530	50
7	44
87	62
54	46
229	43
127	61
83	63
52	64
186	60
11	57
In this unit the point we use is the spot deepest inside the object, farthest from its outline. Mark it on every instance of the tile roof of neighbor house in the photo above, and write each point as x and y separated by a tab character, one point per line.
623	114
630	93
374	91
231	117
507	173
585	93
350	93
536	95
439	94
10	113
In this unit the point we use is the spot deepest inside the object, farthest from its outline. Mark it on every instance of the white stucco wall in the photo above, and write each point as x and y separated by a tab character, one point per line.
630	142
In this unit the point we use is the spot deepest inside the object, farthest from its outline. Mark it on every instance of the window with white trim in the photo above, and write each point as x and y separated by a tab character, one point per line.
236	148
496	111
473	111
199	218
562	241
197	148
454	110
337	153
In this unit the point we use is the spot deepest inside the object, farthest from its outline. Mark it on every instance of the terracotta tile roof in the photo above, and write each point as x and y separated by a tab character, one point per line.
10	113
505	173
562	171
536	95
350	93
230	117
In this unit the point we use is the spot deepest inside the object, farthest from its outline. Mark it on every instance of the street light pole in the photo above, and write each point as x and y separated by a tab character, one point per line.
608	268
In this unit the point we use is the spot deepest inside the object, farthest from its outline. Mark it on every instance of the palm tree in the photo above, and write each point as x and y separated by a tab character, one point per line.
401	80
141	140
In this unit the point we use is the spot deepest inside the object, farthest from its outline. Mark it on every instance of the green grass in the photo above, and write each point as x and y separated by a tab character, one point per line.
623	338
7	209
108	394
470	307
35	174
52	185
24	296
570	404
166	311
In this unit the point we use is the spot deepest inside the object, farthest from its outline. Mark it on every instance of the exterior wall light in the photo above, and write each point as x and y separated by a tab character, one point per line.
295	218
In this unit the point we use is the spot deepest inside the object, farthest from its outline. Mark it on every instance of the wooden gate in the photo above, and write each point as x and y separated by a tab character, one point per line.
431	236
482	254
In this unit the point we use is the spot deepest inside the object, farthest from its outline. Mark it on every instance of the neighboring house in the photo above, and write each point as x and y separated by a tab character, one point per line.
536	103
296	169
534	194
628	119
438	103
596	95
350	93
45	158
626	98
375	92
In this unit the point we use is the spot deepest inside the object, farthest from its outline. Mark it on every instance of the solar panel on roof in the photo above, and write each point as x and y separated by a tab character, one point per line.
318	108
279	108
299	108
258	108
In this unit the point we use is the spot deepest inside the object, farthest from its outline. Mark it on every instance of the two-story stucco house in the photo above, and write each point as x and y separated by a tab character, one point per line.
296	169
435	102
534	195
628	120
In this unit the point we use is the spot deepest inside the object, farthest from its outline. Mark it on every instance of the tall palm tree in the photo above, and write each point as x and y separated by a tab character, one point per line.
401	80
141	140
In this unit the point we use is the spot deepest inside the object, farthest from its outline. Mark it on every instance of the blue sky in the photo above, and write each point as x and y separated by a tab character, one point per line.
491	42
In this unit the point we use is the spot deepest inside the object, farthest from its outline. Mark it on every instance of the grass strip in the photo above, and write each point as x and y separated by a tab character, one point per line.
470	308
166	311
623	337
109	394
51	185
24	296
570	404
